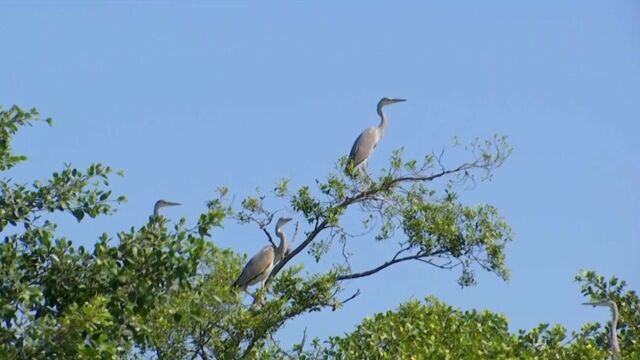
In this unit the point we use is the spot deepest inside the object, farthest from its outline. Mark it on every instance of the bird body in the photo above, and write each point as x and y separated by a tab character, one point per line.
258	268
260	265
365	144
368	140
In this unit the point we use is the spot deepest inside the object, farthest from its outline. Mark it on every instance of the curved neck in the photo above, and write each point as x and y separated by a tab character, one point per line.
613	336
383	118
282	246
156	209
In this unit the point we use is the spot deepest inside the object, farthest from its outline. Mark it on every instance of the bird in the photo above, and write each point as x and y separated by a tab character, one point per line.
261	264
368	140
162	203
614	346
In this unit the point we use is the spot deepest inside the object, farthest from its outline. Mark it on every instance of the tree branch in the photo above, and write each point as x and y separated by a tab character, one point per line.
394	260
356	294
299	248
363	196
269	237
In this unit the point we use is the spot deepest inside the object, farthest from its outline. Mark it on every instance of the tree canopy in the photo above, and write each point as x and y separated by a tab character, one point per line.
162	290
434	330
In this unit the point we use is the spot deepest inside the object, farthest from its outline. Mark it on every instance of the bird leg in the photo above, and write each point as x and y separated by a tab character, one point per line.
258	299
363	167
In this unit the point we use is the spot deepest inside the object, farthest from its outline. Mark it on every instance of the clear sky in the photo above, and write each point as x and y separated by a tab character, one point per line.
189	96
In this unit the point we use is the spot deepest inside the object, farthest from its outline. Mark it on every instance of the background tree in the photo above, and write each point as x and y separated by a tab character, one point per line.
433	330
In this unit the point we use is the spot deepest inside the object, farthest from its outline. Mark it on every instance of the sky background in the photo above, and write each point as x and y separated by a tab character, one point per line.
189	96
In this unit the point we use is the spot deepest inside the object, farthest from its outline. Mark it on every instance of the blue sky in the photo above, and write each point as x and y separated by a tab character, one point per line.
189	96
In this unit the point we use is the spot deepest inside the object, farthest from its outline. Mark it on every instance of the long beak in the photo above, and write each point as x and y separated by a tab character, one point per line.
170	203
593	303
398	100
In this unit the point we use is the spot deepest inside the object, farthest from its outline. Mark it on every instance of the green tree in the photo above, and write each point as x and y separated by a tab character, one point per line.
162	290
434	330
58	300
429	224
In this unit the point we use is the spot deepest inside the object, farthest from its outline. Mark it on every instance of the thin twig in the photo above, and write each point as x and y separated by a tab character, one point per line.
395	260
269	236
358	198
356	294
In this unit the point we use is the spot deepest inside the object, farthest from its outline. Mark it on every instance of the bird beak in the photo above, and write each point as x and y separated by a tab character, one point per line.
170	203
285	220
393	101
593	303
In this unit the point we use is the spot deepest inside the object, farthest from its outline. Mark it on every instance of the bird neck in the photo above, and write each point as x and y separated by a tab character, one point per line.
282	246
156	209
383	118
615	347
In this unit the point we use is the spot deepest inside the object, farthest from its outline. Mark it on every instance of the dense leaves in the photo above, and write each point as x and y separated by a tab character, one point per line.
162	290
434	330
58	300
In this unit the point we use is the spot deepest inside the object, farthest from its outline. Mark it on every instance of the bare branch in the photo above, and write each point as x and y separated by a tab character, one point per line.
269	237
303	341
394	260
295	232
299	248
356	294
400	252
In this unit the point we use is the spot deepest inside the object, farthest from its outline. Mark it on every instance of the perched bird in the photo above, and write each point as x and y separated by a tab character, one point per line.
162	203
614	346
261	264
368	140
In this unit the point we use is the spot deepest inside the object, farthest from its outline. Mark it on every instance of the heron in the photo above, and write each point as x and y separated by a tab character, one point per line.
368	140
162	203
261	264
614	346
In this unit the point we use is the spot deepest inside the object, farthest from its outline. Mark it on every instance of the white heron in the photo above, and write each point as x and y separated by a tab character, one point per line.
614	346
261	264
368	140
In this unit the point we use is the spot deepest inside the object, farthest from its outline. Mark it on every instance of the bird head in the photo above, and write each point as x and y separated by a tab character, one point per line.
603	302
388	101
165	203
281	222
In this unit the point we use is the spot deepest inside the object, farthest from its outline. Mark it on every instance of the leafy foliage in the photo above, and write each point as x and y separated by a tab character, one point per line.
434	330
163	290
596	287
62	301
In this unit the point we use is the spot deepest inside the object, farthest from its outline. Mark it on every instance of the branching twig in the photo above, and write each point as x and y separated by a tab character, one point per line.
356	294
295	232
303	341
269	237
394	260
362	196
